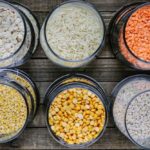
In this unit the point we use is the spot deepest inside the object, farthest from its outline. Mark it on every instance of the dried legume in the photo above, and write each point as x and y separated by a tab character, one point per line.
137	33
13	110
77	115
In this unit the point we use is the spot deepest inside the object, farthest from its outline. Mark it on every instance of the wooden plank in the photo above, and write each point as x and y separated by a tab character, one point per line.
101	5
39	138
105	70
105	15
42	86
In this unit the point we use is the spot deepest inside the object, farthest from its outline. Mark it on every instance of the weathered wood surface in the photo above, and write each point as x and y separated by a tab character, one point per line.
38	138
105	69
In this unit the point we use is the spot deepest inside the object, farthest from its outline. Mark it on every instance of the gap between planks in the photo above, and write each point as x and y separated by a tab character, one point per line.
39	138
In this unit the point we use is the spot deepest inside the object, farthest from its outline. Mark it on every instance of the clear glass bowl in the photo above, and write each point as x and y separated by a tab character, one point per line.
31	35
137	83
74	81
117	37
23	79
55	57
33	20
122	95
9	137
73	78
141	142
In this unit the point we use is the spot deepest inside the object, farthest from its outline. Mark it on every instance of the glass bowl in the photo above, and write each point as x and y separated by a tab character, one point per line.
69	86
30	41
137	120
117	39
12	136
122	94
23	79
74	81
55	57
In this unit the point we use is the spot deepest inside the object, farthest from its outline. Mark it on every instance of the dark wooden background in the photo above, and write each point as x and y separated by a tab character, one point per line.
105	69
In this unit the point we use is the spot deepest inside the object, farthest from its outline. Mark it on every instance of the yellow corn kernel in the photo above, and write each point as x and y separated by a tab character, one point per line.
78	117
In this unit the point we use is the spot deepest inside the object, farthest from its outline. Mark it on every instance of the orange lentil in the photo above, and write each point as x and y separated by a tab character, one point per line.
137	33
128	56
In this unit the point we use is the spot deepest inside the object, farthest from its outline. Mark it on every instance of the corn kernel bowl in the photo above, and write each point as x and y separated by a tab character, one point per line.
76	115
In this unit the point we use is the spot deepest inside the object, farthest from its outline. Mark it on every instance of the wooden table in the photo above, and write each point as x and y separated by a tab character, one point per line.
105	69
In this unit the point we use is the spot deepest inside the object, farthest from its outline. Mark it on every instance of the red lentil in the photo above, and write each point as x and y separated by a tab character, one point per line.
137	33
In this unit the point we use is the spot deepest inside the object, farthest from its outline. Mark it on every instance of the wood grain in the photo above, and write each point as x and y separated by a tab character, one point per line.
101	5
39	138
105	69
42	86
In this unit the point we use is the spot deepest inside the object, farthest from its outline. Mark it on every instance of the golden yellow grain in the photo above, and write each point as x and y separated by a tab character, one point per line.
27	85
24	83
77	79
76	111
13	110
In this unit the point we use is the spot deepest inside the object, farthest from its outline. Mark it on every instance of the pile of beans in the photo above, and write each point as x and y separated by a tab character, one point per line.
77	116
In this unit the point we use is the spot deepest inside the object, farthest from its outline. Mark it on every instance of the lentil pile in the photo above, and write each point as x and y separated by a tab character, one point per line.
137	33
129	35
129	88
13	111
138	119
77	116
11	29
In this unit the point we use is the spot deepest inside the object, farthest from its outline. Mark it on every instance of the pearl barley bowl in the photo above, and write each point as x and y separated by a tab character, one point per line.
72	34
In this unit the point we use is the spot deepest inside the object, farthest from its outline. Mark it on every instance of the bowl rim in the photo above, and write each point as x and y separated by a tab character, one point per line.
69	86
117	88
19	89
99	49
125	120
24	24
25	76
125	25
